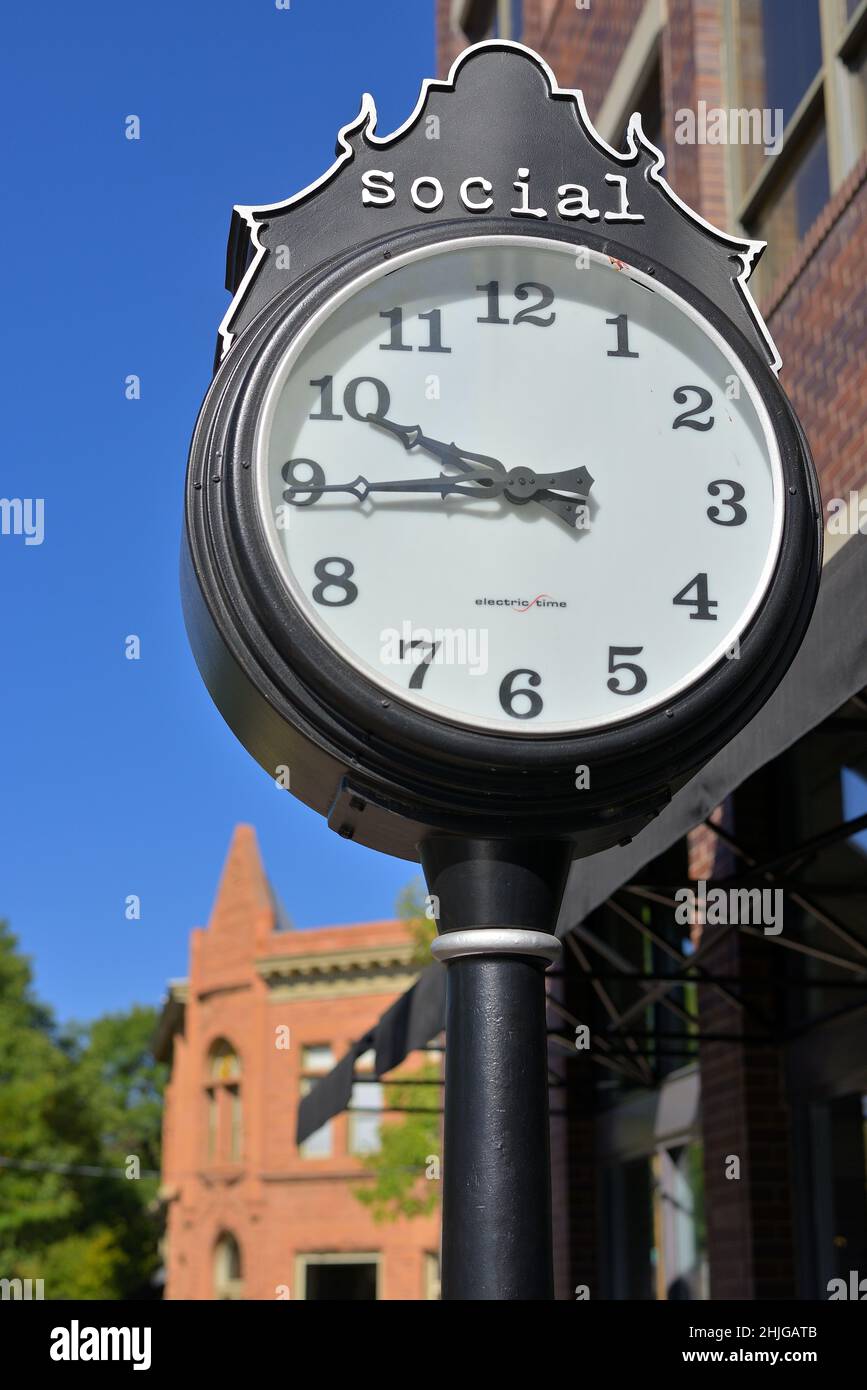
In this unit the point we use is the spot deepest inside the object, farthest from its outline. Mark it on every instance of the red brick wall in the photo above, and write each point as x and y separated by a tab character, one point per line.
817	314
276	1203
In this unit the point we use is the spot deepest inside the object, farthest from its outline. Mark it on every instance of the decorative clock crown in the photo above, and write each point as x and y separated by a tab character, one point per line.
498	140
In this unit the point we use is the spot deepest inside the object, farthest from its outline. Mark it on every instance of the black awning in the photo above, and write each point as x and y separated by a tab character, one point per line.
830	667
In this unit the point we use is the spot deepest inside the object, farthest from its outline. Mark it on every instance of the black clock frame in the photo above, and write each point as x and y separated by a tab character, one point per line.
382	771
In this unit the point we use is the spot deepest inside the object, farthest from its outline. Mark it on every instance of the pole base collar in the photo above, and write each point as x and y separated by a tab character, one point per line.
495	941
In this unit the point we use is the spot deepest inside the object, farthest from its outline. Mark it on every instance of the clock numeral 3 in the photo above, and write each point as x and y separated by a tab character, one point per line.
701	603
738	513
341	581
685	419
416	680
615	665
508	695
350	398
529	315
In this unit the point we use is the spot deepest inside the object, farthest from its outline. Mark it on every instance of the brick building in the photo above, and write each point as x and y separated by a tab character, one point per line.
646	1204
249	1213
713	1146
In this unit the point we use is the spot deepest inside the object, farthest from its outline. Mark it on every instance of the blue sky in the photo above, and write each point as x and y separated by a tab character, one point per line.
119	776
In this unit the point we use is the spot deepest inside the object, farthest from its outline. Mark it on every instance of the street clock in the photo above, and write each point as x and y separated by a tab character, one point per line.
498	521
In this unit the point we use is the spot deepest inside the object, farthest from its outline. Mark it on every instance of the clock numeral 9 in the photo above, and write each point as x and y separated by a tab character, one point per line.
508	695
328	580
615	665
310	484
701	603
685	419
350	398
530	314
739	513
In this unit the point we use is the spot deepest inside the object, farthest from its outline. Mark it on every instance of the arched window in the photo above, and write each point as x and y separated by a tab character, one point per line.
225	1120
228	1280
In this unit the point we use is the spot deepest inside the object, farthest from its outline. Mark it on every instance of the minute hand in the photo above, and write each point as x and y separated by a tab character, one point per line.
520	484
470	485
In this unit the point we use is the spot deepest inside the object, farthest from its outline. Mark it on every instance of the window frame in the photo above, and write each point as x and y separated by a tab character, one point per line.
832	98
310	1074
305	1258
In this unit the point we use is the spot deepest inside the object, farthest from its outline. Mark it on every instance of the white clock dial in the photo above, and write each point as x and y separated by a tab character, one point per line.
529	610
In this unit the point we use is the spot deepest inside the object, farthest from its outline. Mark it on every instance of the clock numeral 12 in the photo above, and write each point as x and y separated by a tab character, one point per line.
530	314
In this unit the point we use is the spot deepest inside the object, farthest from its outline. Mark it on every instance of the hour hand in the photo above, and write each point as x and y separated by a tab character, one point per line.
413	437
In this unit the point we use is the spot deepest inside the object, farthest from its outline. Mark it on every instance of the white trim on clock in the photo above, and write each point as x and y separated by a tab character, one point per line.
385	683
365	123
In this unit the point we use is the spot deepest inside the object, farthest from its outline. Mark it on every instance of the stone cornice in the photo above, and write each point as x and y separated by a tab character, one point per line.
385	969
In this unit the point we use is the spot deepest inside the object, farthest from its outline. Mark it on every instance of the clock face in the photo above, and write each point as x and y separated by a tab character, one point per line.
519	486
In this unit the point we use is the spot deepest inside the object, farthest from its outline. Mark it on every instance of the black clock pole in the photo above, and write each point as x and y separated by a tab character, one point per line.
498	907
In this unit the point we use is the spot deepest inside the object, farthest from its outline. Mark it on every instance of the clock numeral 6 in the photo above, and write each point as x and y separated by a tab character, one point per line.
701	603
350	398
739	513
508	695
615	665
340	581
313	479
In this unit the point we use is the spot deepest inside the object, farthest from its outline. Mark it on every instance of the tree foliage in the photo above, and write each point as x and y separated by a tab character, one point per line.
406	1166
86	1097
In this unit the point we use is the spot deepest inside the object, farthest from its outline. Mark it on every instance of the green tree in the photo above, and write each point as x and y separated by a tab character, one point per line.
67	1101
406	1166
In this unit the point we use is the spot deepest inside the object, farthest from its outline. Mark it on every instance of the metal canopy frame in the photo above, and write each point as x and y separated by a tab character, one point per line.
639	1046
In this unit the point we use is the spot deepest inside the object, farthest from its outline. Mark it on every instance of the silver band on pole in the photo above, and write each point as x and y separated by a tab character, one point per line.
481	941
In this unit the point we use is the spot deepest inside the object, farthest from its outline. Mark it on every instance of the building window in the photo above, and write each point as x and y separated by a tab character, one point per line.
488	19
648	104
366	1097
317	1059
228	1282
796	85
352	1277
224	1114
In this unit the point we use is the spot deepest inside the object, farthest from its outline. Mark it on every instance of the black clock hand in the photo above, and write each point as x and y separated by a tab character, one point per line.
412	437
523	485
519	485
471	485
